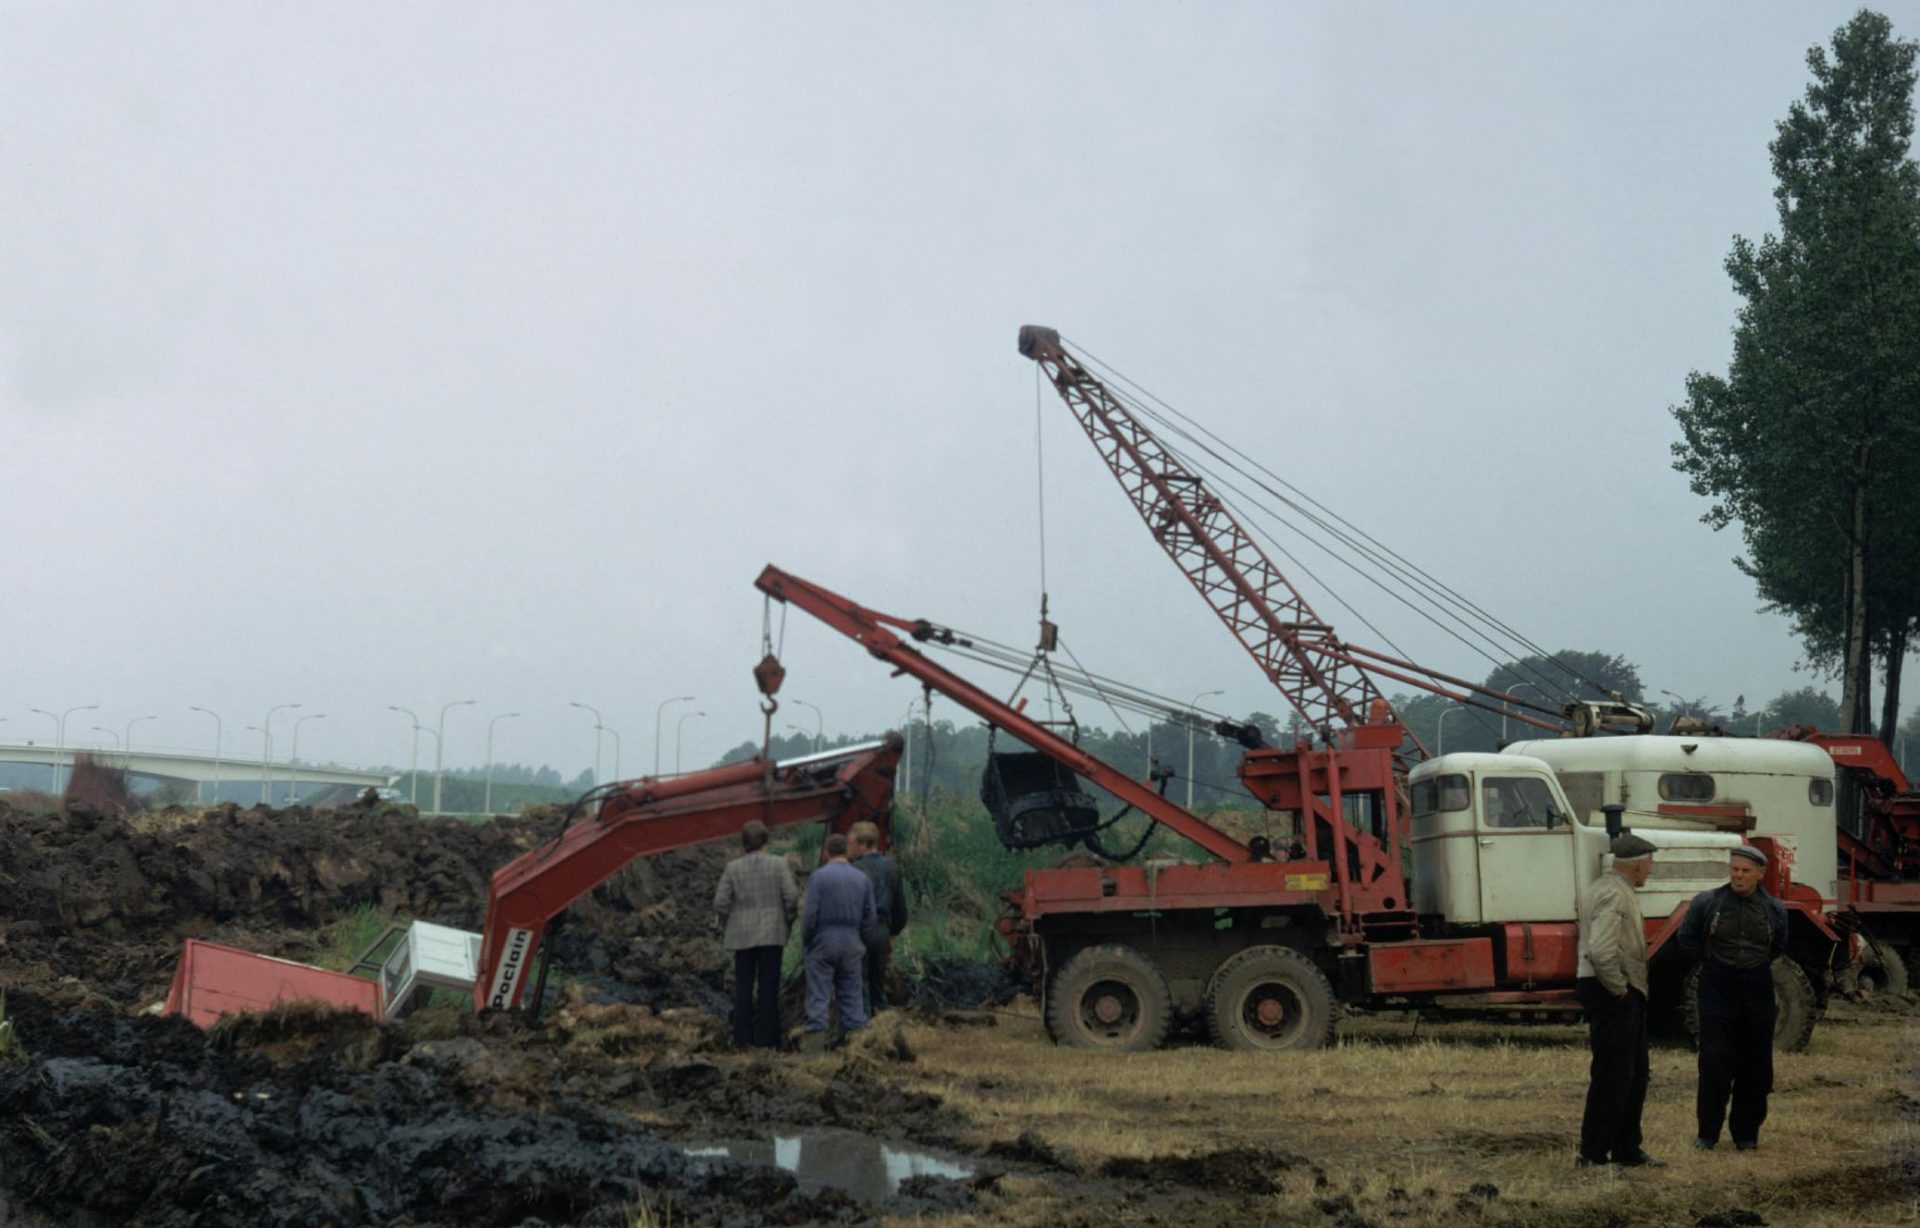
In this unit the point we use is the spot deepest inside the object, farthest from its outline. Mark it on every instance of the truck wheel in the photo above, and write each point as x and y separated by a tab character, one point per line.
1109	997
1794	1012
1270	998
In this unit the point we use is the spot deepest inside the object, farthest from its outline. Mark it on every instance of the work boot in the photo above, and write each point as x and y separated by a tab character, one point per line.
1588	1162
1705	1144
813	1043
1748	1146
1639	1159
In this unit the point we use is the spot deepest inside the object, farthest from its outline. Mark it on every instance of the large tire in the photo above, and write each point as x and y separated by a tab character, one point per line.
1109	997
1270	999
1794	1009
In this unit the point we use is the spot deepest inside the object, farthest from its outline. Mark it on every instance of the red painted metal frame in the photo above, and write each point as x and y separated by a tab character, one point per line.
869	629
1322	677
1891	848
212	981
1430	965
654	816
1131	889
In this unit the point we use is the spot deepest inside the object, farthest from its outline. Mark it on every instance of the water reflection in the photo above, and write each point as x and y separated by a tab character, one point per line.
864	1166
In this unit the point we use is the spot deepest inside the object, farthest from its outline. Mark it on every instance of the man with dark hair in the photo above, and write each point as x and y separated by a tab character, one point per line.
838	910
1736	932
1612	987
757	899
889	904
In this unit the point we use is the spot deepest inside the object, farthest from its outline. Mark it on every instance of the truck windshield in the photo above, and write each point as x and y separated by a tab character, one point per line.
1517	801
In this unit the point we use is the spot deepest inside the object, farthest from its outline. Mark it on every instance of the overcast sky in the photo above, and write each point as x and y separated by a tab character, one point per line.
403	354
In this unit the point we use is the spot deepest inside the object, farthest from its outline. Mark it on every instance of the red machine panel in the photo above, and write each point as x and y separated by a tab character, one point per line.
1217	884
1542	952
1421	967
212	980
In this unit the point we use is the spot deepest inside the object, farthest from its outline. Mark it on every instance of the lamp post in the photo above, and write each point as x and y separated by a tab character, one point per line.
659	714
413	758
1193	718
126	743
216	754
110	733
615	735
53	771
266	750
596	736
819	725
504	716
1503	707
678	729
293	757
60	737
439	739
1440	735
1686	708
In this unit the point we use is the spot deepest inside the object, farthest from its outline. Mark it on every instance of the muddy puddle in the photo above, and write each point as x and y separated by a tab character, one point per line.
870	1169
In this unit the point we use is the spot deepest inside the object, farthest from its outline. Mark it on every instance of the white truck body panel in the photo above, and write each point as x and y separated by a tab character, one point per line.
1779	782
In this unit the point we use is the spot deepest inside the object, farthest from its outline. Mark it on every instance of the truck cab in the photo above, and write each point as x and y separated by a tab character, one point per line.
1495	842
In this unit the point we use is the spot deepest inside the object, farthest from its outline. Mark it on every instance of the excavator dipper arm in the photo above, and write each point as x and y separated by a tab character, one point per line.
840	787
870	629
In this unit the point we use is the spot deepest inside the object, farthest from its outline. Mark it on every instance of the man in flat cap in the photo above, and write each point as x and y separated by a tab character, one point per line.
1613	988
1735	932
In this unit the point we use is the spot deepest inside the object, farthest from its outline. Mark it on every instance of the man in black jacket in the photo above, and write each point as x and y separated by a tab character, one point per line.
1736	932
890	905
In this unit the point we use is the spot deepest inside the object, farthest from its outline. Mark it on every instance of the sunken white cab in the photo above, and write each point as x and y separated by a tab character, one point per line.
1494	842
1765	786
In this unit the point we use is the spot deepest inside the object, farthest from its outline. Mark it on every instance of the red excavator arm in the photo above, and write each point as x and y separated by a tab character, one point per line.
840	787
1889	846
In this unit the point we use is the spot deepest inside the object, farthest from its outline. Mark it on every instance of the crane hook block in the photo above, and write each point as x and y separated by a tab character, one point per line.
769	674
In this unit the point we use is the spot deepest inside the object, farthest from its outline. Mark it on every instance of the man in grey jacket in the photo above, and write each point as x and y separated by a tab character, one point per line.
757	899
1612	986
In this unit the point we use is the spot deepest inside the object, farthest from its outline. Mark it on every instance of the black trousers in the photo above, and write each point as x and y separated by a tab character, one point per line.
1617	1077
756	997
875	981
1736	1049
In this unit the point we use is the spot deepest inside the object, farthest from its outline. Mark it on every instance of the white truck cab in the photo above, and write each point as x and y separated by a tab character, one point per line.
1494	841
1759	786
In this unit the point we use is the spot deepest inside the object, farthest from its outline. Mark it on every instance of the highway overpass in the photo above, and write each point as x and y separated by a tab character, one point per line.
195	770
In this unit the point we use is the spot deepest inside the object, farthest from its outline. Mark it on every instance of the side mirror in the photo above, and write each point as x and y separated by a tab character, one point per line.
1613	811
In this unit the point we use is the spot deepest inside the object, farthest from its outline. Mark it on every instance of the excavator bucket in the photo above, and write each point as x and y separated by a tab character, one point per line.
1036	801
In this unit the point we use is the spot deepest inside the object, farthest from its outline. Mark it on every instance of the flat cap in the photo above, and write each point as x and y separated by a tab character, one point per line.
1751	853
1627	846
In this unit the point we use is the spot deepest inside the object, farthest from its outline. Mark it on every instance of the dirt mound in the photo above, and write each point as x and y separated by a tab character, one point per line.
1243	1170
307	1118
106	899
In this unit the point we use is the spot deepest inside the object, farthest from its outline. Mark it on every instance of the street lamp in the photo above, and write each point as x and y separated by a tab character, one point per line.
1193	719
216	754
110	733
266	750
615	735
504	716
659	714
906	757
438	738
596	736
60	737
819	725
126	743
293	757
413	761
678	729
1503	707
1686	707
53	771
1440	736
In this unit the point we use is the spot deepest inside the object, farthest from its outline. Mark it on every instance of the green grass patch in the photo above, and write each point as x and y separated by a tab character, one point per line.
349	938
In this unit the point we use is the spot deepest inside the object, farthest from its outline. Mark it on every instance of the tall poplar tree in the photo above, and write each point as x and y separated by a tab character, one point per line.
1811	441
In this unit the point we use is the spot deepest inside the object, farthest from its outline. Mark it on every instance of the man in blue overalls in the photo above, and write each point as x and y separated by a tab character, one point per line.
1736	932
838	910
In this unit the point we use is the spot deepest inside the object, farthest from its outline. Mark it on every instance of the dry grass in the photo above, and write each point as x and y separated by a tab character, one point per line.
1404	1121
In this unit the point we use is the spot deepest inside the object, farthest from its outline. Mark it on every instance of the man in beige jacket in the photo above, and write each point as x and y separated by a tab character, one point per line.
1612	986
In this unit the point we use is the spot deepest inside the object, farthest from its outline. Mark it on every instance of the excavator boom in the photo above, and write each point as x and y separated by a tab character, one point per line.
840	787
